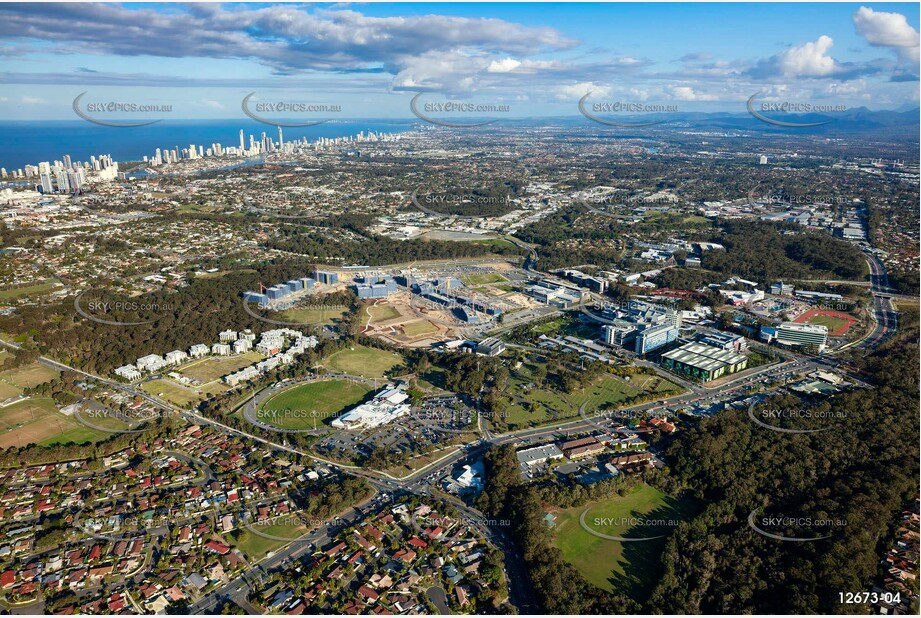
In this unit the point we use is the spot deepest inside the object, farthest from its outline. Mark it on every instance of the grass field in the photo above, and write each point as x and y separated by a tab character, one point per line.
177	394
653	383
37	420
483	279
418	328
38	288
630	568
7	390
216	367
257	547
533	406
495	242
29	375
382	313
313	315
608	389
362	361
294	408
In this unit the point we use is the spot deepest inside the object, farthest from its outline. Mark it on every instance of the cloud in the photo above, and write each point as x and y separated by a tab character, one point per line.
569	92
289	39
503	66
892	30
809	59
687	93
696	57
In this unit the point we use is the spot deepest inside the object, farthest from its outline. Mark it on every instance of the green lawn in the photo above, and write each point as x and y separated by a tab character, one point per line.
417	328
362	361
608	389
256	546
382	313
483	279
38	288
29	375
627	567
36	420
532	406
307	405
215	367
495	242
77	435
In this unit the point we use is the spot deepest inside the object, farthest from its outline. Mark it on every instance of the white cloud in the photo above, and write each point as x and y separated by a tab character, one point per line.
687	93
809	59
503	66
882	29
569	92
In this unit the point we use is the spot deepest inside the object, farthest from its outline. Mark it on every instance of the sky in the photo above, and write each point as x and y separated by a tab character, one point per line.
195	61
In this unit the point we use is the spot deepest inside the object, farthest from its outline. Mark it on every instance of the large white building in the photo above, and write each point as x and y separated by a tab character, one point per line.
794	333
387	405
129	372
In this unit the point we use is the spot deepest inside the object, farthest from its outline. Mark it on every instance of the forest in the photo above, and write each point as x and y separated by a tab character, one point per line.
860	473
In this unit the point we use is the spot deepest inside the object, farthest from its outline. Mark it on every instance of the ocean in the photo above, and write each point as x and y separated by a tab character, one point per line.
24	142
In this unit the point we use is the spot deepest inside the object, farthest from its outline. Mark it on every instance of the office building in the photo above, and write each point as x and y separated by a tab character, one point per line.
795	334
491	346
327	278
653	337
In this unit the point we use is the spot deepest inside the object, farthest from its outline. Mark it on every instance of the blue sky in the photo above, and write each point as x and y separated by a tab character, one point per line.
535	59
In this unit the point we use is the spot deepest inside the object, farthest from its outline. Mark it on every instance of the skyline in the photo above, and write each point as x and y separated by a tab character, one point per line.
201	61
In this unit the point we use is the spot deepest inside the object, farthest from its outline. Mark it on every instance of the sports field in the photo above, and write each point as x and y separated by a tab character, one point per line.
308	405
37	420
29	375
362	361
627	567
837	323
216	367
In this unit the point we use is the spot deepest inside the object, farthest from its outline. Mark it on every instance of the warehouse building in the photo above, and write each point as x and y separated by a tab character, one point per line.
703	362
